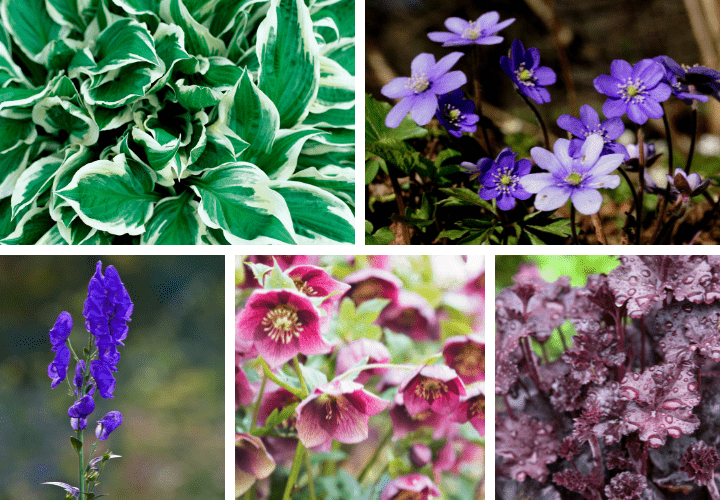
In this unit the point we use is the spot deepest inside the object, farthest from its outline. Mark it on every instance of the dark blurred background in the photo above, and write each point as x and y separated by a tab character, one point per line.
591	33
170	386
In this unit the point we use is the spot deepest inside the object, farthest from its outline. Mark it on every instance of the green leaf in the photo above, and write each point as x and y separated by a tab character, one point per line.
467	195
236	197
375	129
30	26
112	196
198	40
288	53
33	182
383	236
339	181
68	12
248	112
175	221
30	228
76	444
312	377
318	216
453	234
281	161
12	164
55	114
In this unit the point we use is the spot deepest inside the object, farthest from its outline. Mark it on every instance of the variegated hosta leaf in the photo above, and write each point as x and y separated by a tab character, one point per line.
198	40
54	114
112	196
31	26
280	162
69	12
236	197
31	226
175	221
33	182
339	181
289	59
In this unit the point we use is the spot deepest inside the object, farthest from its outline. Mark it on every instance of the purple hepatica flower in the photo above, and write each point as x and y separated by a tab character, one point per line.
481	31
412	486
437	388
282	323
690	82
419	92
526	73
372	283
456	114
57	370
412	315
107	424
636	90
686	186
588	124
337	410
502	180
352	353
252	462
576	178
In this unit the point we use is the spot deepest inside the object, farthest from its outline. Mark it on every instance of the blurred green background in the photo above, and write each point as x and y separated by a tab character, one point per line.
170	386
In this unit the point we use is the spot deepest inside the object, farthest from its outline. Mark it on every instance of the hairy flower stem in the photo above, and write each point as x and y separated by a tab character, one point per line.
373	459
530	360
641	185
539	118
562	338
573	229
691	153
294	470
269	374
296	363
596	453
259	399
713	489
311	481
81	479
478	99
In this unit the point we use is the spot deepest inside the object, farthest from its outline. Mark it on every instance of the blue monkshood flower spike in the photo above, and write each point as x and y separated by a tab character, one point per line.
690	82
576	178
588	124
526	73
102	373
60	332
502	180
481	31
107	424
82	407
57	370
636	90
419	92
456	114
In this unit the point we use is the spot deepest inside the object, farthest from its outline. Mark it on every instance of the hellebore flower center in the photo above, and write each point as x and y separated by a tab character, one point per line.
470	359
431	389
303	287
418	82
282	323
477	408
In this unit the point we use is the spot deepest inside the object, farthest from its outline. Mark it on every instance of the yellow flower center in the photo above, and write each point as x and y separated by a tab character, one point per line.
472	32
470	361
454	114
574	179
525	75
282	323
478	407
418	82
505	180
632	91
430	389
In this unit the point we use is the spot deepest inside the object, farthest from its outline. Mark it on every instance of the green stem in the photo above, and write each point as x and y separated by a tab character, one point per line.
374	365
294	470
668	136
311	481
259	399
573	229
376	454
269	374
540	120
81	478
692	138
296	363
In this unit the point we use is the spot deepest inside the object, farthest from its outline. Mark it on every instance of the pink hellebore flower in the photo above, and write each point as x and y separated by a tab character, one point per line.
276	398
466	355
437	388
244	394
316	282
472	408
337	410
350	354
404	422
281	323
252	462
411	315
371	283
420	455
284	262
410	487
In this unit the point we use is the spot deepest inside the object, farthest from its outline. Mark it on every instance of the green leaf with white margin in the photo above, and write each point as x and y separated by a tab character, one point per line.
112	196
9	71
6	223
12	163
318	216
52	237
236	197
11	97
136	7
280	163
30	26
55	114
30	228
33	182
175	221
68	12
14	130
161	150
112	118
198	40
289	71
217	151
75	158
248	112
111	91
339	181
337	87
169	45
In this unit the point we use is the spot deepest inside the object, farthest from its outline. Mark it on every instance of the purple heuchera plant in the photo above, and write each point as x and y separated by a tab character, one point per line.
634	399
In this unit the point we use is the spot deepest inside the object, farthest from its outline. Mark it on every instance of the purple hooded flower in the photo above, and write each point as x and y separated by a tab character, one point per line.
456	114
419	92
244	394
412	315
636	90
686	186
79	411
526	73
466	355
502	180
337	410
372	283
405	423
107	424
412	486
282	323
437	388
57	370
252	462
690	82
352	353
104	379
481	31
576	178
589	124
107	310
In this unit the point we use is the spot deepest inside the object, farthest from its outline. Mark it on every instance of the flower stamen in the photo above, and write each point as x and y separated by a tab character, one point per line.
282	323
418	82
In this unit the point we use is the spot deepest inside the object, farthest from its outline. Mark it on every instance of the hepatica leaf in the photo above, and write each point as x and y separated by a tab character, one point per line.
176	122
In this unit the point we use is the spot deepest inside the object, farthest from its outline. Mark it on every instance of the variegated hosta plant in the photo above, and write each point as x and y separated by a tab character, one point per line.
177	121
